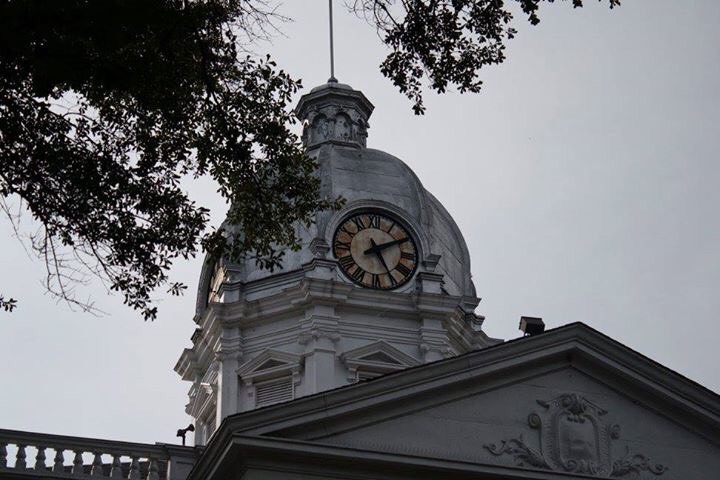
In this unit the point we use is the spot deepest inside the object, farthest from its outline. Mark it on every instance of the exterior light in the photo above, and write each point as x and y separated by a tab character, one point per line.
532	326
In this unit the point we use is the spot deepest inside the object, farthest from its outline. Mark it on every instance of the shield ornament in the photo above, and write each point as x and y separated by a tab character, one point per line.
574	438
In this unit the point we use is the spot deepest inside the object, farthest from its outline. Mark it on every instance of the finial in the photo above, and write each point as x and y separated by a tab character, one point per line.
332	78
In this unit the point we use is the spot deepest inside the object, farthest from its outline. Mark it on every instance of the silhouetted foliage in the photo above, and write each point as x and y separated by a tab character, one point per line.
7	304
106	105
444	43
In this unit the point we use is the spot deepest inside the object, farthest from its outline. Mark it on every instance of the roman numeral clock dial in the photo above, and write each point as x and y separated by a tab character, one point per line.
375	251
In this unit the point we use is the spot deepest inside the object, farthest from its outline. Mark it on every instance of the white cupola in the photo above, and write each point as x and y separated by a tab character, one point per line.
334	113
379	286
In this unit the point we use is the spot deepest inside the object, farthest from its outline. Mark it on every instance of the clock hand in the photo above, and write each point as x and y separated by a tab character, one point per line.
380	256
383	246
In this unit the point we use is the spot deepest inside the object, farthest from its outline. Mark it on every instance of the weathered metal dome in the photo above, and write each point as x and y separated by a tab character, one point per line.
335	119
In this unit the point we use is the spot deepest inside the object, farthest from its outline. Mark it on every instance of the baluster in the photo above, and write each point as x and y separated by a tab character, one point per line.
3	455
153	470
116	470
97	466
40	459
78	466
59	463
134	469
20	458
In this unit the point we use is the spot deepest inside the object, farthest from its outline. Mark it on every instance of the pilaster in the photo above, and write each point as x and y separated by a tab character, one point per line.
430	282
319	334
434	341
228	358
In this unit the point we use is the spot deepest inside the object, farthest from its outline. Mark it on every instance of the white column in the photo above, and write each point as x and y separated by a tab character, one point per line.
228	358
434	344
320	334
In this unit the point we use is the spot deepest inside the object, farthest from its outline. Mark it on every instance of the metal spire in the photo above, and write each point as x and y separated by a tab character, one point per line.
332	49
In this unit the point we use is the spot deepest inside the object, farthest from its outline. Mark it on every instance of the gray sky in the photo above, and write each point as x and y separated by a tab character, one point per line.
584	178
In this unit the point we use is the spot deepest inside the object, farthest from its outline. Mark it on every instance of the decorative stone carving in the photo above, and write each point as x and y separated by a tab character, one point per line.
334	113
319	247
334	123
431	262
574	439
320	323
308	336
441	349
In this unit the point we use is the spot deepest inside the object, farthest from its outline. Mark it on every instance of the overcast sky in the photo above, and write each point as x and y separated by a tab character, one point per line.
584	177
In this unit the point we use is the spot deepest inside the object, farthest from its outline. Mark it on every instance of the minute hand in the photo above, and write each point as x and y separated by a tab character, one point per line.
383	246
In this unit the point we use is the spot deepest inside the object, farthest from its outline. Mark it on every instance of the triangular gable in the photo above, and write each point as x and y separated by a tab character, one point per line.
569	401
380	357
377	357
561	421
269	363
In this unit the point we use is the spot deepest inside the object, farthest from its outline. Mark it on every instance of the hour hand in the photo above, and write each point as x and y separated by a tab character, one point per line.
383	246
379	255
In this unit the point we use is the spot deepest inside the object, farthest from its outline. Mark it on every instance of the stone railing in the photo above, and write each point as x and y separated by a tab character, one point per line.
26	455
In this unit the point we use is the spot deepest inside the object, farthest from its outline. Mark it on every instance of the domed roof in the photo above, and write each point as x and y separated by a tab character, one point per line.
335	119
332	84
370	178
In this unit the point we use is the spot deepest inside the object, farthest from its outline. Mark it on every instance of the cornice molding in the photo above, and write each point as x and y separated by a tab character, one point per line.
575	345
313	458
331	292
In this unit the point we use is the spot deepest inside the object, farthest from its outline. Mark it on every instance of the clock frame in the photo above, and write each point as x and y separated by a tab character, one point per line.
375	250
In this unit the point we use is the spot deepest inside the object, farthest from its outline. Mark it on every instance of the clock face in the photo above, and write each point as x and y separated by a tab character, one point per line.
375	251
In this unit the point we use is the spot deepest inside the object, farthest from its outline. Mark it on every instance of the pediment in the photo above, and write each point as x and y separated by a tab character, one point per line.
379	354
570	401
380	357
269	363
564	421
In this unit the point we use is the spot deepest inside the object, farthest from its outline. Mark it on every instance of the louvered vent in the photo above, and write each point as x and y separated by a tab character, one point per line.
275	391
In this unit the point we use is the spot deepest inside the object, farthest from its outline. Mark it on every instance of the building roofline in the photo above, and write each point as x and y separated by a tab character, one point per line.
576	345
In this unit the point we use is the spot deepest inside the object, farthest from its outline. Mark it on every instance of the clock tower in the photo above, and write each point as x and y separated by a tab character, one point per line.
379	286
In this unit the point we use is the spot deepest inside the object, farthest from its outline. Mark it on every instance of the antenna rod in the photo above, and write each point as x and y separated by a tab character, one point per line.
332	49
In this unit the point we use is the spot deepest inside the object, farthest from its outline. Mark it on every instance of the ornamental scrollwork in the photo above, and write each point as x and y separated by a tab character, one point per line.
335	122
574	438
523	454
634	464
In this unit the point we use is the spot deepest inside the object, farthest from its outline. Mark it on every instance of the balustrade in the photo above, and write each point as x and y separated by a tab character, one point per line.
134	461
